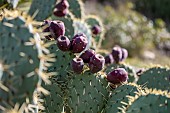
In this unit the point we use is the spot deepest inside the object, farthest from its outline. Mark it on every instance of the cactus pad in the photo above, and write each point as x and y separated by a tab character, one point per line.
92	20
20	53
76	8
156	77
54	102
149	101
87	93
119	95
62	62
42	9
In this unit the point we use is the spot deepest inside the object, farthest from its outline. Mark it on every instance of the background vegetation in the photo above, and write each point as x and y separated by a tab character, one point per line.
137	26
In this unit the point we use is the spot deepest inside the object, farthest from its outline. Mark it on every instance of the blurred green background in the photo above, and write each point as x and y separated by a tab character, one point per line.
141	26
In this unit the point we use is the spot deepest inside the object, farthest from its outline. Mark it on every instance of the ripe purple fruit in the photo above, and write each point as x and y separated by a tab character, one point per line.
117	53
46	25
109	59
57	28
96	63
63	43
61	13
117	76
96	30
62	5
79	43
77	65
87	55
79	35
124	54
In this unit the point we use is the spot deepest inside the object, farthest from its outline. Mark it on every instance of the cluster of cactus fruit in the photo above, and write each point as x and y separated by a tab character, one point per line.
118	55
53	67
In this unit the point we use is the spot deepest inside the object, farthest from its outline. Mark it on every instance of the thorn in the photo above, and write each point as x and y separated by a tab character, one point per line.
2	108
84	90
75	90
8	24
30	74
44	91
35	14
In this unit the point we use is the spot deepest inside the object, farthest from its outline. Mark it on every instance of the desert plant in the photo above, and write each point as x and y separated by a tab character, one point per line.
38	75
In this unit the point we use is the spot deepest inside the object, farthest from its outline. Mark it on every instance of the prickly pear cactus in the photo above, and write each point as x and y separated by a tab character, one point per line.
76	8
149	101
87	93
119	95
62	63
21	64
81	27
68	22
92	20
62	69
55	98
42	9
131	72
156	77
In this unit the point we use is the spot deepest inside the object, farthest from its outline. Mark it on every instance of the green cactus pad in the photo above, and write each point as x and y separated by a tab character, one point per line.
82	27
42	9
19	60
119	95
76	8
62	65
131	72
54	102
68	22
156	77
92	20
62	68
87	93
150	101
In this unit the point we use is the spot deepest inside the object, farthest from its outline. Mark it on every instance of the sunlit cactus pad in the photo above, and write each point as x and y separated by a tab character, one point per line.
149	101
19	59
156	77
87	93
119	96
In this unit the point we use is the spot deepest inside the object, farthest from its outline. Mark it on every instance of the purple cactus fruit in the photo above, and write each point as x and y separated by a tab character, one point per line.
79	35
117	54
96	30
63	43
96	63
79	43
87	55
62	5
77	65
57	28
117	76
61	13
124	54
46	25
109	59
